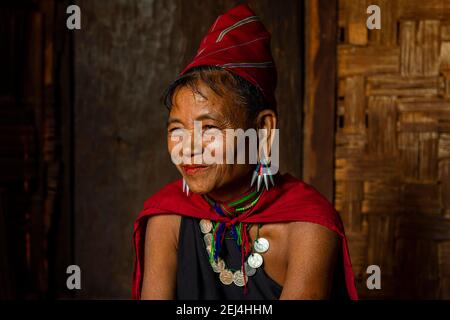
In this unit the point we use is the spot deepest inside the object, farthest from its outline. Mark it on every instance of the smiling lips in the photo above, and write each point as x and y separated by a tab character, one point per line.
193	169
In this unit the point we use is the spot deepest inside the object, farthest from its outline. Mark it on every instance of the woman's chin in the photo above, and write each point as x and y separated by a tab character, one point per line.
200	189
200	185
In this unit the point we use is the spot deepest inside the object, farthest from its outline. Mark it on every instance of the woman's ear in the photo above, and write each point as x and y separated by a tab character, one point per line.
266	120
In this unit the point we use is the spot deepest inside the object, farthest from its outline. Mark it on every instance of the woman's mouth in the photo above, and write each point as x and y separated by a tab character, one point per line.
193	169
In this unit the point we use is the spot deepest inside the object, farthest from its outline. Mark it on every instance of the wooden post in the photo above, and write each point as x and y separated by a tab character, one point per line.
320	94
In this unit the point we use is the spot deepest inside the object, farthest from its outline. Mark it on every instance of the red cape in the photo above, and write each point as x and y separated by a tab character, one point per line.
290	200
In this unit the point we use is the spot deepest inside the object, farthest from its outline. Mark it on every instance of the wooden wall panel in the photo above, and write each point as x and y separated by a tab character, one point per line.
392	155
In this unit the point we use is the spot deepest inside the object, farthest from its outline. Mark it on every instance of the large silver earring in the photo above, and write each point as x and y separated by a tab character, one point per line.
262	173
185	187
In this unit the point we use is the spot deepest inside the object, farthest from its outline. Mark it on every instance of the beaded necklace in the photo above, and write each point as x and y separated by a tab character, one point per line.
214	234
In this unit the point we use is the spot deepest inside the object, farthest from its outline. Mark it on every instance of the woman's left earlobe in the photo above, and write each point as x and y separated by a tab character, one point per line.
262	173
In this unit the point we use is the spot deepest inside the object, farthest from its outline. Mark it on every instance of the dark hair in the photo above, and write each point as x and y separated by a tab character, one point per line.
221	81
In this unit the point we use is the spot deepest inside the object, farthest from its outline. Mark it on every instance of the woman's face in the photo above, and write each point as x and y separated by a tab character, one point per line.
216	115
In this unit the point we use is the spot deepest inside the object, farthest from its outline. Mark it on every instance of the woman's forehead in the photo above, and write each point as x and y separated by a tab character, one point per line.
199	100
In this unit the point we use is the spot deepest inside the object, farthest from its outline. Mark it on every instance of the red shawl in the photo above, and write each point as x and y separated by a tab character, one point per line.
290	200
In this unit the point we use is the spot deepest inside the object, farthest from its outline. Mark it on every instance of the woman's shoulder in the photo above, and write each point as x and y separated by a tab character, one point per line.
303	202
164	222
171	190
155	208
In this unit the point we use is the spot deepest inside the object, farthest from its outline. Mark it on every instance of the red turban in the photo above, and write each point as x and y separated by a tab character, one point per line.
239	43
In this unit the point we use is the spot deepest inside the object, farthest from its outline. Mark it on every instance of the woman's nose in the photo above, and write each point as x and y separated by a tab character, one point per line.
193	145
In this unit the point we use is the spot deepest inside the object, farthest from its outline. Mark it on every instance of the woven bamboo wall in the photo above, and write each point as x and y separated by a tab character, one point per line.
392	156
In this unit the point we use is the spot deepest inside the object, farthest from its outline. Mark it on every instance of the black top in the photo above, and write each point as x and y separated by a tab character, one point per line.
196	279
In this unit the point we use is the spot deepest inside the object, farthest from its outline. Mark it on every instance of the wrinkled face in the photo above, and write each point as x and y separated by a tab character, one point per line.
216	114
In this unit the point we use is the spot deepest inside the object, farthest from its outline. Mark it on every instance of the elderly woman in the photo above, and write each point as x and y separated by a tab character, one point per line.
230	229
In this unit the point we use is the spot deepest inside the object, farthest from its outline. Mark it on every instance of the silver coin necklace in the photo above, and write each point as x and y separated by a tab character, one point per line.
228	276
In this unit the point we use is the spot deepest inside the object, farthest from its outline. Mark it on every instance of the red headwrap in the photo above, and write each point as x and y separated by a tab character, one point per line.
239	43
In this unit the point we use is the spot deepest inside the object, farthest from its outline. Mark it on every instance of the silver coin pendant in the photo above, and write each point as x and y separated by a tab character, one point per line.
261	245
226	277
255	260
238	279
249	271
205	226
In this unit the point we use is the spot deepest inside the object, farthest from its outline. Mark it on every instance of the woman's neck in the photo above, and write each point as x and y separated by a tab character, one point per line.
234	190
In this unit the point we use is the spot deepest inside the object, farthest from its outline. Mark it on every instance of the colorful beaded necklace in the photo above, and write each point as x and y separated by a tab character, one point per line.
214	234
